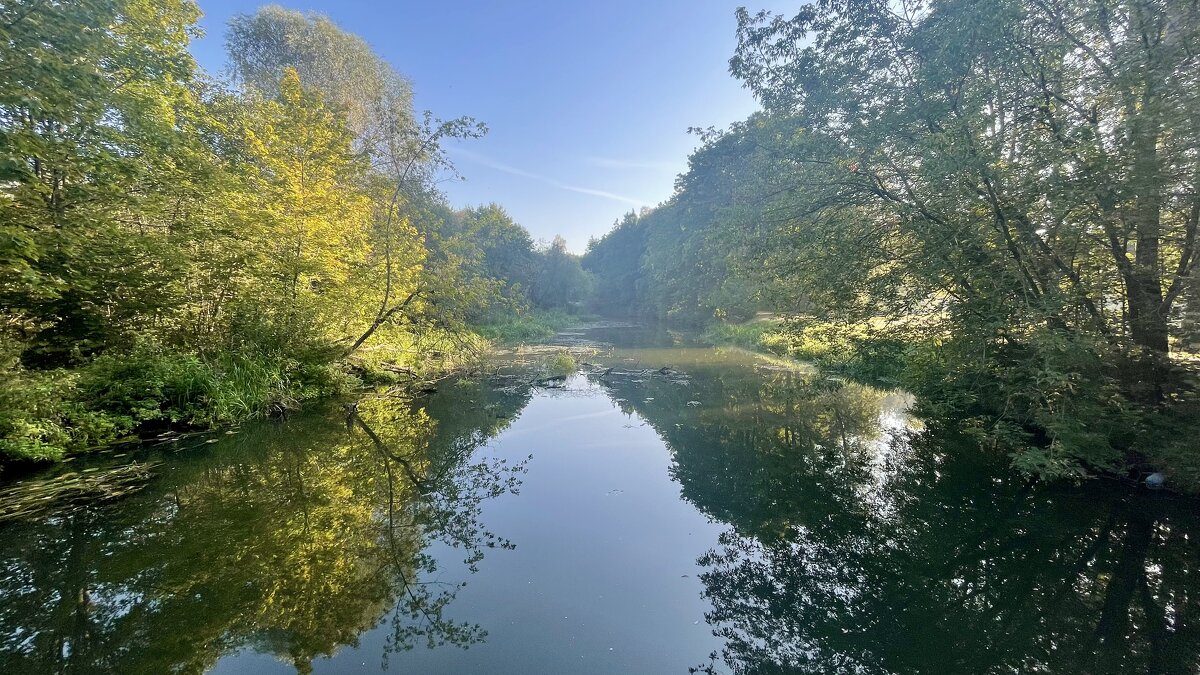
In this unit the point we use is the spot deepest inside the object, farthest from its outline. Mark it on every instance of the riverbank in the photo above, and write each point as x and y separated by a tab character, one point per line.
847	350
1141	440
678	502
529	326
47	416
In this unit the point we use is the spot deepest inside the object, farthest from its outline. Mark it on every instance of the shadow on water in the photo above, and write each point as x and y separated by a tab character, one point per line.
289	539
856	543
853	541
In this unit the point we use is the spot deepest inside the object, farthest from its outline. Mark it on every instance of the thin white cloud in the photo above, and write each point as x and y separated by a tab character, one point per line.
610	163
484	160
601	193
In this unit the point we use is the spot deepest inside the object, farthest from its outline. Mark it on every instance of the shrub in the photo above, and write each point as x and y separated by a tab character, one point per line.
562	363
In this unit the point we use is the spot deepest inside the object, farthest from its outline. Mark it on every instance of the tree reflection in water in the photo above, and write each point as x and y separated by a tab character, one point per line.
852	545
290	539
852	548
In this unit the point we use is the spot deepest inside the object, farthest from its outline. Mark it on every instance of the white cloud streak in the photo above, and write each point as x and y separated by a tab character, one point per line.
484	160
610	163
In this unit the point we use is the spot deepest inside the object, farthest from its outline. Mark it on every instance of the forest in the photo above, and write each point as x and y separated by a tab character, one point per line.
991	205
181	250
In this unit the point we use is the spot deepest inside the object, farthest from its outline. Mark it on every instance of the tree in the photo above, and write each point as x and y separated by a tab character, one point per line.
413	286
561	282
376	100
98	157
306	217
616	262
1021	174
1046	146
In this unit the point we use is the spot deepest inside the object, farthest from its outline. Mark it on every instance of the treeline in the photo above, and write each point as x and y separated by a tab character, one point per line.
180	250
997	201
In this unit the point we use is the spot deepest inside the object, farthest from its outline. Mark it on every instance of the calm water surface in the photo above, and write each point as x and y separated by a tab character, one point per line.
728	515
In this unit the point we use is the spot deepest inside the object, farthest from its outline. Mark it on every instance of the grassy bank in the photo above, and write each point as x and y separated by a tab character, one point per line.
855	351
49	415
528	326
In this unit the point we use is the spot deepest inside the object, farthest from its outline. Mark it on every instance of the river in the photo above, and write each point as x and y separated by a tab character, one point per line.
692	509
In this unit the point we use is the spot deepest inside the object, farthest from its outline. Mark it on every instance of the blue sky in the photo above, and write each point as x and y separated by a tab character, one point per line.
588	103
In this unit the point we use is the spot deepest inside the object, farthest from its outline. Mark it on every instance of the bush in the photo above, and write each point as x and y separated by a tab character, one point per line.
1052	402
33	410
45	414
562	363
153	386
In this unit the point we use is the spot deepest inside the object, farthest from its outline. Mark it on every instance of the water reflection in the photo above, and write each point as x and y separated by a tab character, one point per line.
852	541
288	539
857	545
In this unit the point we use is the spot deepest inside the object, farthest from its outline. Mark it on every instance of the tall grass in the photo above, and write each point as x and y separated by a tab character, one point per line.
853	350
514	329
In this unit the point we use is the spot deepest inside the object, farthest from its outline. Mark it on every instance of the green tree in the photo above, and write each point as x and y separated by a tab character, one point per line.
305	215
560	280
417	288
1020	174
615	260
98	159
376	100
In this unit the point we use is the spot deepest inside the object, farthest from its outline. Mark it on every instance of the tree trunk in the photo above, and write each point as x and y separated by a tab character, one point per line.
1147	323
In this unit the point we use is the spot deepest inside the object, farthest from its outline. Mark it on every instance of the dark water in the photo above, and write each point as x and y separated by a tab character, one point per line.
729	516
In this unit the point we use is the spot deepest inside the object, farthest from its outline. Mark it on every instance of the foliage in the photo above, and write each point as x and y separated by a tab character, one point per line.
33	413
561	363
517	328
1003	193
375	100
97	155
615	260
560	281
690	260
1019	173
178	251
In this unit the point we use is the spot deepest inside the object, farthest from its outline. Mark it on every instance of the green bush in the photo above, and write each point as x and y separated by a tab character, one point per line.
162	386
33	410
1051	401
562	363
45	414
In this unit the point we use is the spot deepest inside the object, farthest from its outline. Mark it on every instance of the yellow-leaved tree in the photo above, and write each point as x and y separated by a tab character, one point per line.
305	220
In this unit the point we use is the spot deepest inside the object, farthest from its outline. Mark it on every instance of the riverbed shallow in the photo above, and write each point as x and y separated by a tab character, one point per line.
727	514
